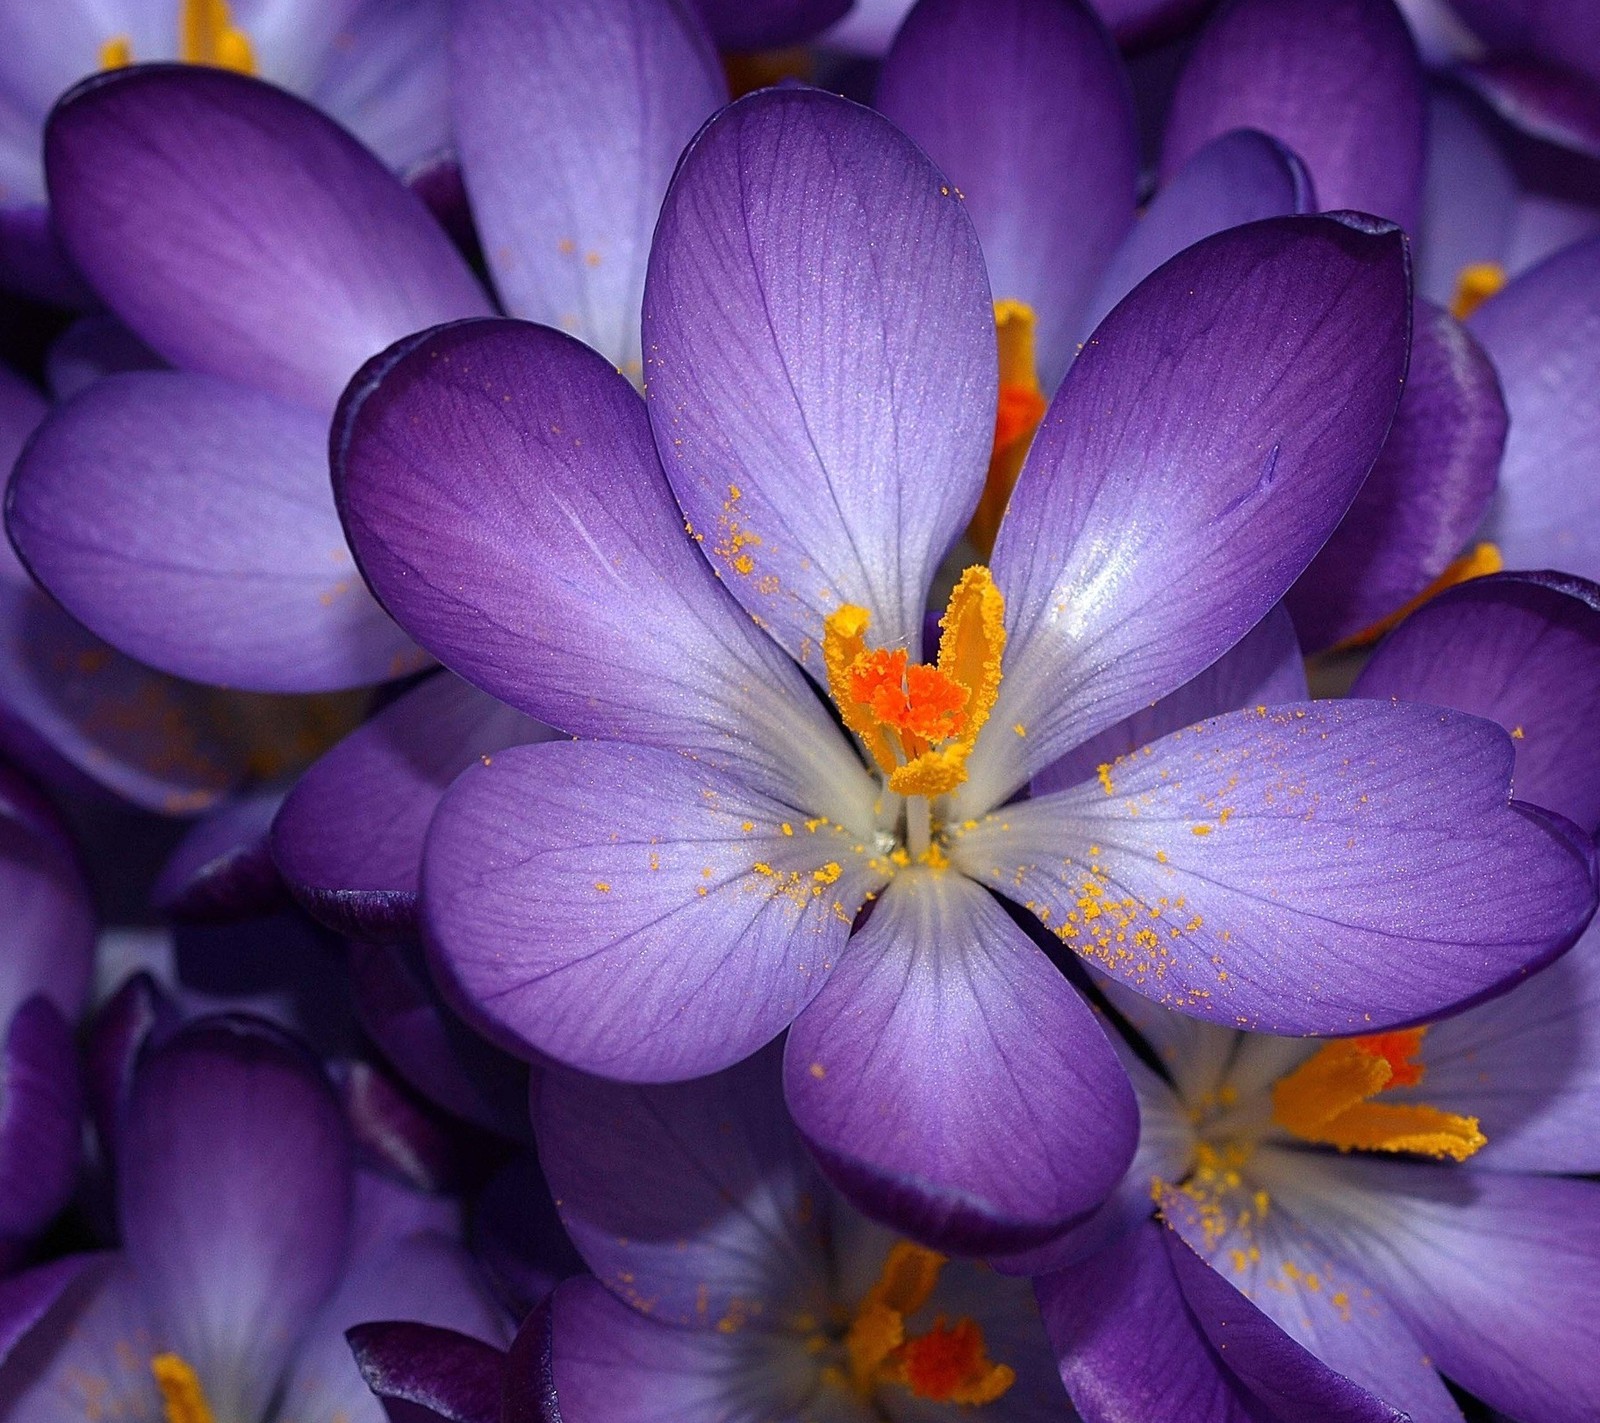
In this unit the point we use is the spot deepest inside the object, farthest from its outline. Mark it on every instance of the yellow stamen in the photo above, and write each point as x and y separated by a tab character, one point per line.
1478	561
183	1400
919	722
1475	284
207	35
948	1364
1022	407
116	52
1326	1100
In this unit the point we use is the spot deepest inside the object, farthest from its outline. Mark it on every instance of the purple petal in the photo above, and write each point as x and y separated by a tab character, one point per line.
41	1119
1426	494
1241	177
187	521
540	90
505	499
821	363
633	912
1025	106
1127	1346
951	1083
234	1183
1285	67
1356	831
1249	384
1320	1298
1469	202
1564	33
1497	1275
50	919
138	1011
694	1202
222	869
1522	649
1544	100
349	838
609	1363
281	253
32	261
1270	1363
1539	332
452	1375
79	1356
27	1298
428	1045
1527	1066
423	1279
530	1391
1263	668
764	24
92	348
402	1145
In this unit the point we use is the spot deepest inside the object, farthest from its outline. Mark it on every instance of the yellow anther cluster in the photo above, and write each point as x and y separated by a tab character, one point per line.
206	35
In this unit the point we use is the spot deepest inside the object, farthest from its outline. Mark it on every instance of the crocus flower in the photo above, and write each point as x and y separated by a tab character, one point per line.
237	572
1395	1202
376	66
48	943
249	1246
663	896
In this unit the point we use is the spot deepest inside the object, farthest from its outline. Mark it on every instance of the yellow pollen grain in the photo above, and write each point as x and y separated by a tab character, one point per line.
828	873
603	886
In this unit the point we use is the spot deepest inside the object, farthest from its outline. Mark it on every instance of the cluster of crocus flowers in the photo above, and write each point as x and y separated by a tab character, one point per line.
865	745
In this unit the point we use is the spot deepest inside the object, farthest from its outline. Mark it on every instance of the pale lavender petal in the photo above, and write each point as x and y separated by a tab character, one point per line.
1469	201
541	91
820	363
633	912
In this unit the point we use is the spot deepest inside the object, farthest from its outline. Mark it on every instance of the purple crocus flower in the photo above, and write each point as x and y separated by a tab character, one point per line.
1394	1202
48	942
822	388
249	1245
377	66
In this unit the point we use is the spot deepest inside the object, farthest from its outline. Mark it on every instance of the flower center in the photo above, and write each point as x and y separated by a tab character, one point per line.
920	722
1022	406
183	1399
206	35
1328	1100
1475	284
948	1363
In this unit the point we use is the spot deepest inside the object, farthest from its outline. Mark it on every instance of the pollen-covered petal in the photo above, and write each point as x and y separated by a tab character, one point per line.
348	840
1540	332
1522	649
1282	66
820	363
1356	831
1203	446
1259	1243
1497	1275
631	911
187	521
1427	493
238	231
1026	108
695	1200
538	91
504	497
1241	177
951	1082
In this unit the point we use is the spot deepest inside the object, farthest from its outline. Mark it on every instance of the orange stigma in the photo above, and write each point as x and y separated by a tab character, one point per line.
1327	1100
1022	406
919	721
949	1363
1477	562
